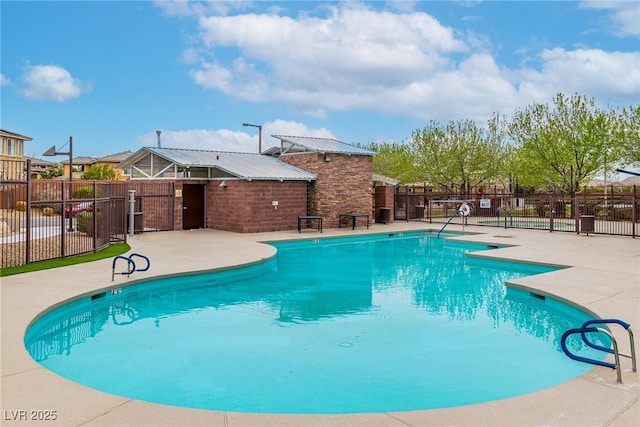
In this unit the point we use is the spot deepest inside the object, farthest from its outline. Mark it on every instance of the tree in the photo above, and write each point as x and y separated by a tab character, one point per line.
101	172
395	161
51	172
629	135
459	155
564	145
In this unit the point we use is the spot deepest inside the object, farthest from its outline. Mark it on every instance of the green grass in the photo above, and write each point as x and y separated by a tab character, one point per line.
108	252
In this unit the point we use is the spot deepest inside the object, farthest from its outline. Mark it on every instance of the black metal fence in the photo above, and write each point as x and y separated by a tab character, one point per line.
614	212
43	219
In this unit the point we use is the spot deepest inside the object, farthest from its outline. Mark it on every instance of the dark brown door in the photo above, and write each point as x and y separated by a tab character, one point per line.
193	206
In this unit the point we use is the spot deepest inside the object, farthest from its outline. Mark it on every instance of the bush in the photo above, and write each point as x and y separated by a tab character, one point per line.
101	172
603	212
85	192
84	222
21	205
47	211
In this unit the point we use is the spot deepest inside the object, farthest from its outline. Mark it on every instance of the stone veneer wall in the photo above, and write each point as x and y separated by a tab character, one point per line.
343	184
247	206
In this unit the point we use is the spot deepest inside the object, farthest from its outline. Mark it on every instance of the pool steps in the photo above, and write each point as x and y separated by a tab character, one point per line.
587	328
131	265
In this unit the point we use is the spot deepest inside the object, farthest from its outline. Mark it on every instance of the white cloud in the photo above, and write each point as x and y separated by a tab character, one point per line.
347	60
624	16
592	72
3	80
228	140
50	83
353	57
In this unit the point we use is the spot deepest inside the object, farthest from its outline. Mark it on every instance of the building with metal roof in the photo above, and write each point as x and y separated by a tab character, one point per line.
300	144
251	192
158	163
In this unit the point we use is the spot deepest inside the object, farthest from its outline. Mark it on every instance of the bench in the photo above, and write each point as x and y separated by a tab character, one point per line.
353	217
308	218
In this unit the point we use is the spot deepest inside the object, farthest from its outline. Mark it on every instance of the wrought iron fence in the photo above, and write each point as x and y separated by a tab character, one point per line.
43	219
614	212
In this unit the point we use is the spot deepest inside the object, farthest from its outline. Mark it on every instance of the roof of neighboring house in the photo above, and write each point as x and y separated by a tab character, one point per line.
115	158
111	158
14	135
241	165
81	161
39	162
318	145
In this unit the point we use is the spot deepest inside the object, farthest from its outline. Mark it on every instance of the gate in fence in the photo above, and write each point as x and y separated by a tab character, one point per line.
44	219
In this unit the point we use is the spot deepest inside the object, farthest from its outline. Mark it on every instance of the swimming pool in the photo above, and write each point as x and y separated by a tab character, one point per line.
370	324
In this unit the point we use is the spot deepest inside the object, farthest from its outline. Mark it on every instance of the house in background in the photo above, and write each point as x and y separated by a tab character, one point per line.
246	192
12	155
38	166
83	164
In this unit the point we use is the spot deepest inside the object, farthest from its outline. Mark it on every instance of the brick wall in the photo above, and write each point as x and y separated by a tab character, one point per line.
384	198
247	206
343	184
177	208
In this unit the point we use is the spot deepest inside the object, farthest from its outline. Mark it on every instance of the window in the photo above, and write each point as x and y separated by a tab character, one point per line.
11	147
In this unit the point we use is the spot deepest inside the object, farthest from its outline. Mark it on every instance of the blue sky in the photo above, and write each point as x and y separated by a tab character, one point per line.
111	73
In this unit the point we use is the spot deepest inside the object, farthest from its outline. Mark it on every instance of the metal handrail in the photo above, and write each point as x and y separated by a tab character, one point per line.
582	331
587	328
626	326
448	221
131	265
143	257
458	211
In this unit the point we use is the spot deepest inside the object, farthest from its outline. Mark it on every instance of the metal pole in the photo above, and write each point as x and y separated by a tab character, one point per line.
259	135
132	208
28	217
70	179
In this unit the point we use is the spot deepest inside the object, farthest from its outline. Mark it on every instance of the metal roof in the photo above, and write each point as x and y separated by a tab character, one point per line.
320	145
384	179
241	165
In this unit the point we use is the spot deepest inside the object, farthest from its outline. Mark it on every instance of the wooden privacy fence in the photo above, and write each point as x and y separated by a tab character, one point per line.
614	212
46	219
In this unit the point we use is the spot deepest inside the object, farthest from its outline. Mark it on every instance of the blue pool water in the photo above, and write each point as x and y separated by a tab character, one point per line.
366	324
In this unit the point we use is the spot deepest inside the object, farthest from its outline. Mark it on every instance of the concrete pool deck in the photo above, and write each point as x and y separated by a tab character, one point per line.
604	278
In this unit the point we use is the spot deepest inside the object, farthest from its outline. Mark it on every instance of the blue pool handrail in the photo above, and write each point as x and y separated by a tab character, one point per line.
131	265
588	328
464	210
625	325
